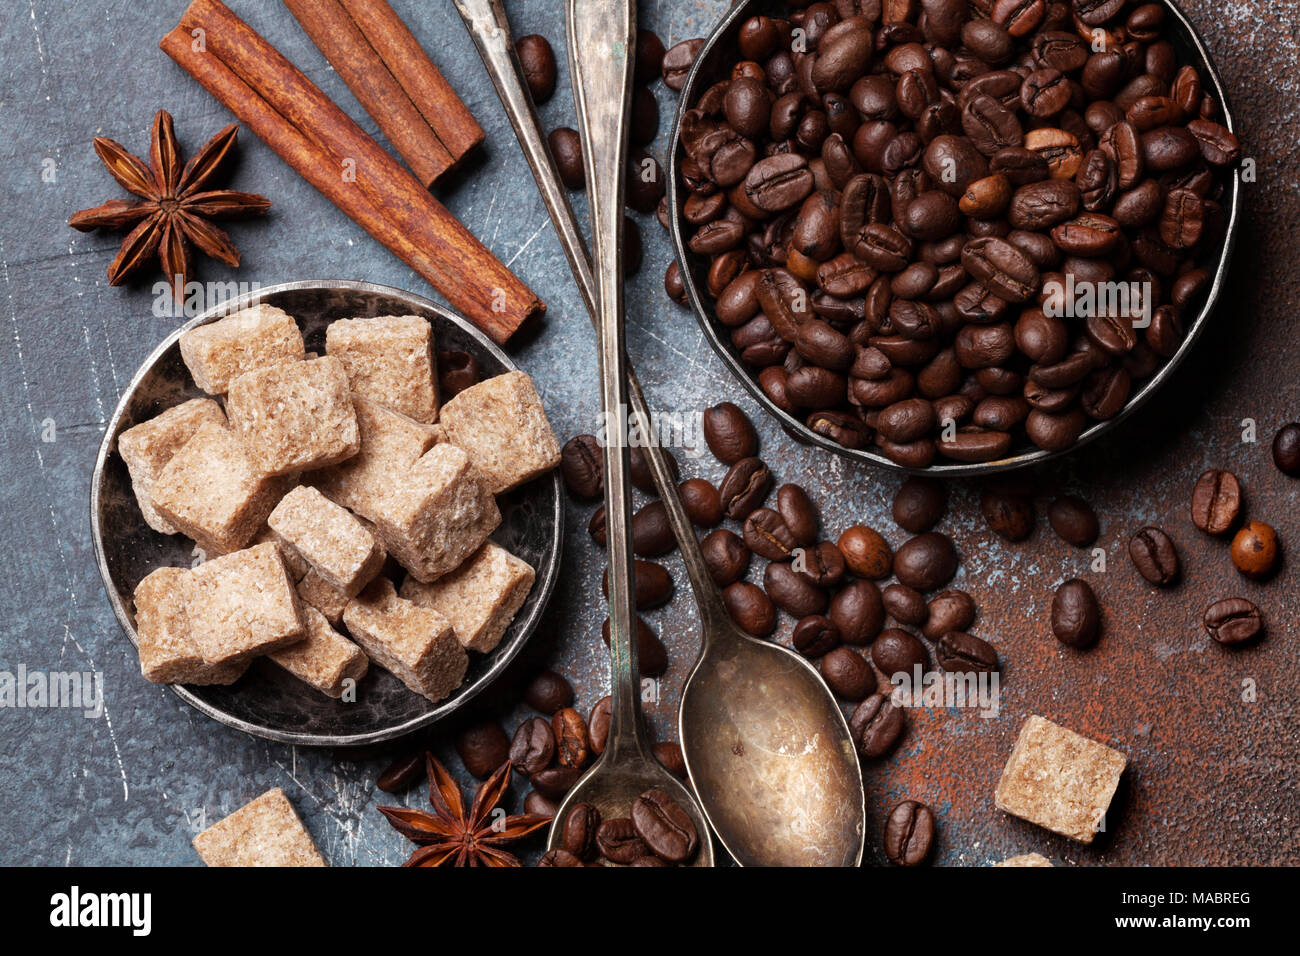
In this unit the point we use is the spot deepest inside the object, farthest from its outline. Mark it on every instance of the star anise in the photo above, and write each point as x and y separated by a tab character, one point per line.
450	836
173	209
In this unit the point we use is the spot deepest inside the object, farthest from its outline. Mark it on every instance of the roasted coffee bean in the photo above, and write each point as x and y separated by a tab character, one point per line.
1076	616
725	555
866	552
750	607
677	62
558	856
651	655
919	504
847	673
1011	516
566	149
744	488
598	724
876	726
665	827
399	775
533	746
857	611
702	503
948	611
729	433
1255	550
823	564
960	652
578	833
548	692
905	605
767	535
909	833
538	62
670	755
618	841
596	526
1005	270
483	747
792	591
555	782
649	56
1074	521
652	536
1216	502
1155	556
639	469
542	806
1233	621
815	635
896	651
457	371
1286	449
572	745
926	562
798	512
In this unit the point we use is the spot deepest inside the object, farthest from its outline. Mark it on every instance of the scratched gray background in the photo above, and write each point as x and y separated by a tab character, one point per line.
1213	779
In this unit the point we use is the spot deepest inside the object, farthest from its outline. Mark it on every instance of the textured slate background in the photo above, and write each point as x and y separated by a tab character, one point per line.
1213	778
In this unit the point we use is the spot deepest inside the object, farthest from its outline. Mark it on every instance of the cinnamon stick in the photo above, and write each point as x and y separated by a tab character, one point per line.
374	84
316	138
423	82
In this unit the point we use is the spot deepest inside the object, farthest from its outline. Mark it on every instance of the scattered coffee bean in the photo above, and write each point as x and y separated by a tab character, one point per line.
823	565
618	842
598	724
909	833
1155	556
665	827
533	746
555	782
538	62
1233	621
677	63
566	149
919	504
1255	550
559	857
583	467
1076	616
639	469
948	611
674	287
702	502
1216	502
1074	521
652	536
669	754
815	635
1011	516
572	747
896	651
539	805
750	608
1286	449
744	487
798	512
876	726
926	562
399	775
905	605
847	673
548	692
960	652
768	536
596	527
483	747
578	833
866	552
729	433
726	556
791	591
857	611
652	584
649	56
651	655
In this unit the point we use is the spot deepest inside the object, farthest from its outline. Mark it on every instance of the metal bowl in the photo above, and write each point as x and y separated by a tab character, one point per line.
267	701
714	63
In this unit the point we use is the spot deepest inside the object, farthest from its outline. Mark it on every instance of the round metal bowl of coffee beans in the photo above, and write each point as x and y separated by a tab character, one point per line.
953	236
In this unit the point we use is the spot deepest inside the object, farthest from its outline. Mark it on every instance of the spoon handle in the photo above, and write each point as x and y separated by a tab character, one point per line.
490	30
601	39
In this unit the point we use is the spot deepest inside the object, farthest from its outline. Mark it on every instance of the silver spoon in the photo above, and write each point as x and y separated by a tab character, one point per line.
804	803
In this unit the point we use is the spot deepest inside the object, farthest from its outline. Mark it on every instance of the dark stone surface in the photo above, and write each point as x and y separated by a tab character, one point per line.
1212	777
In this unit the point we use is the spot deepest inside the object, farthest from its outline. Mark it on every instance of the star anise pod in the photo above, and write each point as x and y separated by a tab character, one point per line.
173	209
452	836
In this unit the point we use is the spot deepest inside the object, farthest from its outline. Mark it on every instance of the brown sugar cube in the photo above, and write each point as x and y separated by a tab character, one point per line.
390	444
162	629
324	597
220	351
1059	780
266	832
212	493
480	598
417	644
242	605
294	417
502	426
325	659
1027	859
328	538
294	564
148	447
389	360
437	513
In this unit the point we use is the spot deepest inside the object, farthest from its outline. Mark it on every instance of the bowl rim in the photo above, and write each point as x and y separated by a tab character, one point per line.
945	468
544	582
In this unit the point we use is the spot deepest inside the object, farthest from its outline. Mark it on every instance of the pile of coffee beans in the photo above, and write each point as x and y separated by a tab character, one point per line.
894	201
656	832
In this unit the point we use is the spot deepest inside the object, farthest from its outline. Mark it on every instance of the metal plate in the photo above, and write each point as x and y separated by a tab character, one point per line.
268	701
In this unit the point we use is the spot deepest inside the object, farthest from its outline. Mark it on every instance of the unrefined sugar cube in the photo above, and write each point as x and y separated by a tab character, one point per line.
328	538
266	832
501	425
295	565
1059	780
212	493
417	644
325	659
242	605
480	598
437	513
148	447
390	444
1026	859
323	596
220	351
168	655
389	360
294	417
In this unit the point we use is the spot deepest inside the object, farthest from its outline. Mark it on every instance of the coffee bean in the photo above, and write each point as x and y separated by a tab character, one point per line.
639	469
572	746
533	746
905	605
1216	502
791	591
555	782
670	755
583	467
399	775
767	535
1010	516
652	536
538	62
823	564
798	512
1155	556
566	149
618	841
677	63
483	747
909	833
744	487
664	827
815	635
1076	616
651	655
559	857
541	806
866	552
1286	449
548	692
598	724
649	56
702	502
750	607
919	504
847	673
596	526
1233	621
1073	520
876	726
926	562
725	555
960	652
652	584
1255	550
578	833
948	611
896	651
